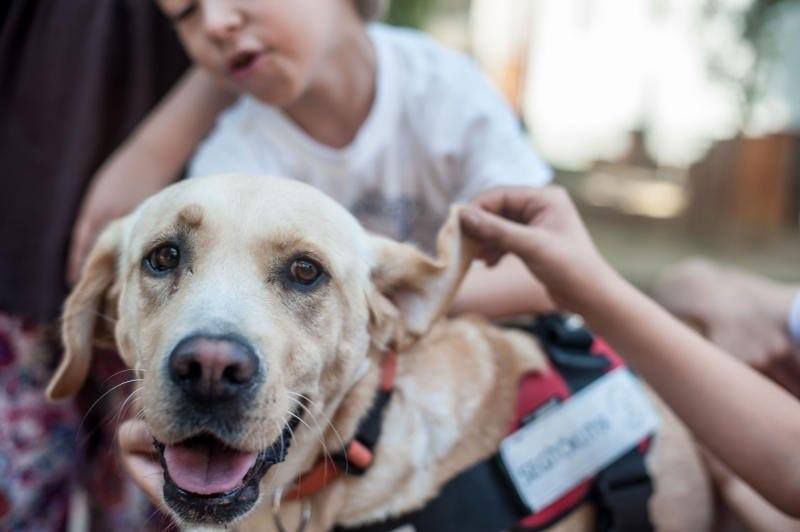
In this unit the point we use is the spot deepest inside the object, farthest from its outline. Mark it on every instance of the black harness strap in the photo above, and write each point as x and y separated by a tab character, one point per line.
621	490
477	500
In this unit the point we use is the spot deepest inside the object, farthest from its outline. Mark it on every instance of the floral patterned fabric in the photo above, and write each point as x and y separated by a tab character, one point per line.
51	451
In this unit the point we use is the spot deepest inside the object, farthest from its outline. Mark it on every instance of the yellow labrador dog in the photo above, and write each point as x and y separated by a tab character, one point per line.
257	310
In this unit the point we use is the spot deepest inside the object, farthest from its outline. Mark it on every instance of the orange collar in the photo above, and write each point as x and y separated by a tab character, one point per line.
358	454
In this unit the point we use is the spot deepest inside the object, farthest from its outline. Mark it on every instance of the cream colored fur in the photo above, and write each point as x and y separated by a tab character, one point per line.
457	379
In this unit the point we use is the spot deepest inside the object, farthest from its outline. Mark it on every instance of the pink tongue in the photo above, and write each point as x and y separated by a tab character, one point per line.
206	467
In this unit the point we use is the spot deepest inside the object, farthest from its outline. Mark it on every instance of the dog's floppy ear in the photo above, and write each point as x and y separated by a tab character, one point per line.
81	324
410	289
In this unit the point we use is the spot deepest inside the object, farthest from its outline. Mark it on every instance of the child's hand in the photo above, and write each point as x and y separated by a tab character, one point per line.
743	313
140	460
543	228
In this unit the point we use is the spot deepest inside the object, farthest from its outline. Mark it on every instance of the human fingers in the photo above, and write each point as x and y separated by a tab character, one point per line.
135	437
139	459
719	472
147	474
491	255
499	235
520	204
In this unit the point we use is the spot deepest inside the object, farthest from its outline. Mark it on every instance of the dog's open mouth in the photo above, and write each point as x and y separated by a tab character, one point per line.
207	481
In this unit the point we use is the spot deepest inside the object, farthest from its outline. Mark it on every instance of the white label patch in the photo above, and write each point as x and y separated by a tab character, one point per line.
577	439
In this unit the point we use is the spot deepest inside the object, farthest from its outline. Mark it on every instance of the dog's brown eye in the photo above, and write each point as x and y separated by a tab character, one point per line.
164	258
304	271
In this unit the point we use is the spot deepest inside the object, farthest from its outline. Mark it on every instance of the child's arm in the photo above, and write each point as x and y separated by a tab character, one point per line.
746	504
149	160
742	313
748	422
753	510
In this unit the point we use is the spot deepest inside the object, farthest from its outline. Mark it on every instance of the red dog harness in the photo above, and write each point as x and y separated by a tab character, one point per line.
482	498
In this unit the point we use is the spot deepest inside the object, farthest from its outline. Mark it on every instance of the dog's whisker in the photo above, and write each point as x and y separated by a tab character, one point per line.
327	420
339	438
320	433
99	399
115	418
138	415
120	372
172	526
291	431
121	410
319	426
301	420
310	413
317	433
115	437
154	513
283	444
111	390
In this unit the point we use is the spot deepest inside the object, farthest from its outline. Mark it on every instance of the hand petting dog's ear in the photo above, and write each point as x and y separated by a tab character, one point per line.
543	228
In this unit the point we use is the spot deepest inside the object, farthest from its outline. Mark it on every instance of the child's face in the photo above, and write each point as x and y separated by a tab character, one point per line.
272	49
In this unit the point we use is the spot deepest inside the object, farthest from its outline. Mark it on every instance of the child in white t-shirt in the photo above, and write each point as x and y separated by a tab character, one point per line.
437	133
389	123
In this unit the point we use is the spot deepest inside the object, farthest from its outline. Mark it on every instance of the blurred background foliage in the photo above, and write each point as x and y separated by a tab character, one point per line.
410	13
756	24
758	15
675	124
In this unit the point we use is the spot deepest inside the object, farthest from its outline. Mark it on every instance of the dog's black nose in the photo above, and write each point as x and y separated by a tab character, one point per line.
213	368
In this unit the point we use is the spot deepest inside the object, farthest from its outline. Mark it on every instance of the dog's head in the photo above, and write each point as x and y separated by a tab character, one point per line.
245	304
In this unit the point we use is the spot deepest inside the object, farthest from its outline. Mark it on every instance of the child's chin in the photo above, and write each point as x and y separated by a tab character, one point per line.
272	91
